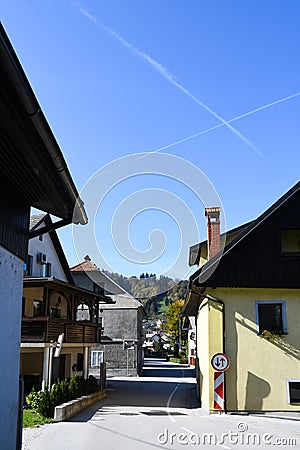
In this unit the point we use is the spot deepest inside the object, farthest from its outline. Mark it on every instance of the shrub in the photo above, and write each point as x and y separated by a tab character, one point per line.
65	390
56	394
33	399
62	391
46	404
92	384
74	387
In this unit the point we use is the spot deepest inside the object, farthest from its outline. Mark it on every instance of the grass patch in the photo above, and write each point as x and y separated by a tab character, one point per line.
32	418
175	360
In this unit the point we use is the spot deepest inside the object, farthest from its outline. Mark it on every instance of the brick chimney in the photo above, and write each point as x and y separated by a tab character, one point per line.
213	231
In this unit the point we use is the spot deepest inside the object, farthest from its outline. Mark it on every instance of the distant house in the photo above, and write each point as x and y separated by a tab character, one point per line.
123	334
156	342
54	306
33	172
245	301
189	325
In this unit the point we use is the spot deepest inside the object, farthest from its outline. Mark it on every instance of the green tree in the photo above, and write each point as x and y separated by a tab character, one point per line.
174	321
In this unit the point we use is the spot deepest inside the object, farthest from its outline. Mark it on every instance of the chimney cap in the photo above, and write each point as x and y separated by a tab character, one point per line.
212	211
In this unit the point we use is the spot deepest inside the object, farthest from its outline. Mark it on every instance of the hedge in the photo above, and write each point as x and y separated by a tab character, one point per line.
62	391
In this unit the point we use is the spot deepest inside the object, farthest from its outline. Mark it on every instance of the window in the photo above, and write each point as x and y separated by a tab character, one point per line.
83	312
290	242
37	308
96	358
40	237
28	266
271	316
48	270
293	391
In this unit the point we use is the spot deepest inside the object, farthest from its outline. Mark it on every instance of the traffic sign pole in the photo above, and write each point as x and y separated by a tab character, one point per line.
219	390
220	363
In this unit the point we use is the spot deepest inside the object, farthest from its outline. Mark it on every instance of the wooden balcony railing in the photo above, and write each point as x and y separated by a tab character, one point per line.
44	329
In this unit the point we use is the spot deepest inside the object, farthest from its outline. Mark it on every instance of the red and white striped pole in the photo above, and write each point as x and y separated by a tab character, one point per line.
220	362
219	390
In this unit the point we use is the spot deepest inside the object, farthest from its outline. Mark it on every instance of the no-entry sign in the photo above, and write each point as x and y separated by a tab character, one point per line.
220	362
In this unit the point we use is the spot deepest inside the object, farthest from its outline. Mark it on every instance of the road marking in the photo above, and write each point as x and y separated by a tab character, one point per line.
171	396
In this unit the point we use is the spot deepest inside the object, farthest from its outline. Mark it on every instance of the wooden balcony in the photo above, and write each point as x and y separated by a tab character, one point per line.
44	329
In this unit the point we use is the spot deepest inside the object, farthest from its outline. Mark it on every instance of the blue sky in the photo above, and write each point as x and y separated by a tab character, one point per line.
117	78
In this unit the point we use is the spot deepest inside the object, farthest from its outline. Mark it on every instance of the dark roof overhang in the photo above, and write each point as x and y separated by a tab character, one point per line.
30	156
192	301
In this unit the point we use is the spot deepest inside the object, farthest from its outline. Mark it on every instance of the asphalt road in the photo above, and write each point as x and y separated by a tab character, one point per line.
159	410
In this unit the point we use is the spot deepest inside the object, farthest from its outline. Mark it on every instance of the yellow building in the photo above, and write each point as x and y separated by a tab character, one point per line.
246	301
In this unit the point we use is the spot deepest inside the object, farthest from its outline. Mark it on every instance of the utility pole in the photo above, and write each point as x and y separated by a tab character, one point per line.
179	334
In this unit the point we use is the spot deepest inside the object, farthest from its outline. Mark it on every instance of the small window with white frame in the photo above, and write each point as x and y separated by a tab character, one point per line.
96	358
271	316
293	392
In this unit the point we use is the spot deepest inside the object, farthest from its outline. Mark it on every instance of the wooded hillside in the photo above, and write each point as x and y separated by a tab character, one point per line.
155	293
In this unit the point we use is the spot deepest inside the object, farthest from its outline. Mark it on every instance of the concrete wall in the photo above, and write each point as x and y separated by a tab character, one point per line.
120	323
11	275
69	409
257	377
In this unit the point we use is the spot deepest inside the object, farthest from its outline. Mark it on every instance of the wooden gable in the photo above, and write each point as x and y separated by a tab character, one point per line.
261	256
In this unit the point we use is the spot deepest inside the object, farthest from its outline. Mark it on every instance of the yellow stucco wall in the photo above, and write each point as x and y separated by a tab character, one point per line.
32	358
209	342
30	295
203	355
36	293
259	370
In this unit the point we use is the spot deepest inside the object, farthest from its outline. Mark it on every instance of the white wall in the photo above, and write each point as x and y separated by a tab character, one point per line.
11	285
45	246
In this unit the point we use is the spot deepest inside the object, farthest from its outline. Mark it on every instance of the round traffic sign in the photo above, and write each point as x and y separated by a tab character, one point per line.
220	362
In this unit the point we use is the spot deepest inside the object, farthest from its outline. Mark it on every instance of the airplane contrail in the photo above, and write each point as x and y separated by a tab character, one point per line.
168	75
207	130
